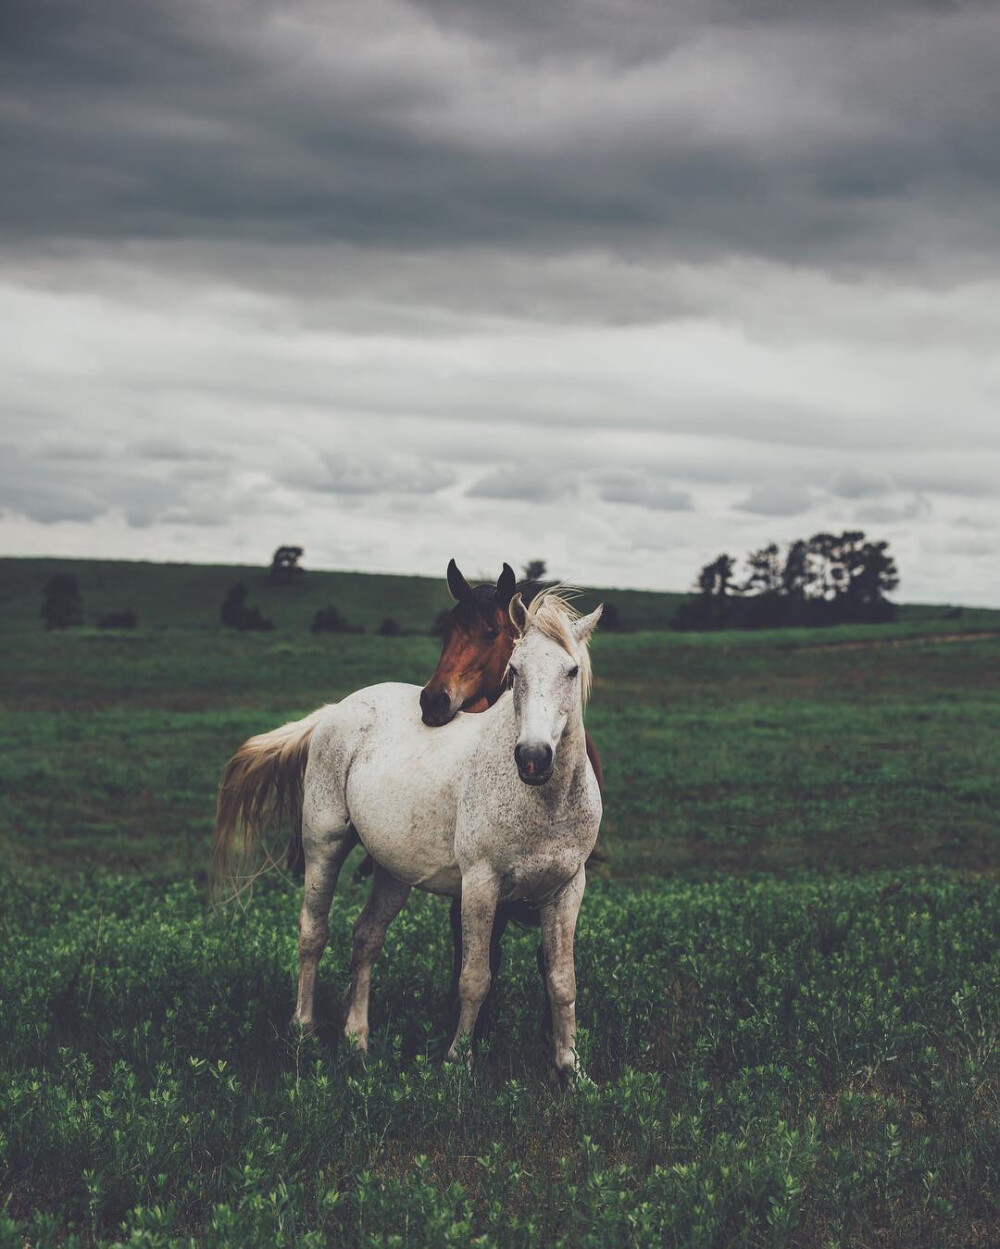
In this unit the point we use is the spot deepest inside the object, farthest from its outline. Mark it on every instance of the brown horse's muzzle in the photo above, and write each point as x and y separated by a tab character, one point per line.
435	707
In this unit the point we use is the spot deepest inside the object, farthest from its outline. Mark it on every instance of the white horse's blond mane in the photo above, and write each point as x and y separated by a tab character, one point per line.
552	613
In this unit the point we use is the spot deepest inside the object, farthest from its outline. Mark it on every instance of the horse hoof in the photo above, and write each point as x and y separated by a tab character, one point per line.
568	1077
357	1043
454	1057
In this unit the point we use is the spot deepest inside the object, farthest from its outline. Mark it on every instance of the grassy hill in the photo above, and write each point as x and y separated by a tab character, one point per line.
188	596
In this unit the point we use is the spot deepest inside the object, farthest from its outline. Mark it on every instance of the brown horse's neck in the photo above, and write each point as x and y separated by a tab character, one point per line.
595	761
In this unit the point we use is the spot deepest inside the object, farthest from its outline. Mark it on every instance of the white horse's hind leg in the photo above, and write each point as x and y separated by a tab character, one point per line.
480	891
558	929
324	854
384	903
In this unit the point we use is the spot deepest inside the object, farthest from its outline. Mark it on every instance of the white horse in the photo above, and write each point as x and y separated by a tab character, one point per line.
499	806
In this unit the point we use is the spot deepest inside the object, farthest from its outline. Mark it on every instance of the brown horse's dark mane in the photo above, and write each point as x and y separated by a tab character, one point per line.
485	600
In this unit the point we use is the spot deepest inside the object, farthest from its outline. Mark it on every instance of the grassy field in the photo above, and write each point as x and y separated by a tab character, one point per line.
788	977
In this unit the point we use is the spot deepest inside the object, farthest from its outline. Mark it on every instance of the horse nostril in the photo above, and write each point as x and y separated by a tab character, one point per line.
517	754
424	700
546	757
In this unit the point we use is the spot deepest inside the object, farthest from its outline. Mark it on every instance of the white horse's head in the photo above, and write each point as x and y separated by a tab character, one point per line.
550	673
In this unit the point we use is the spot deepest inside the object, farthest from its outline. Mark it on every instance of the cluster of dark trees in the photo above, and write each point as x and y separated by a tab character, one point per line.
829	579
62	606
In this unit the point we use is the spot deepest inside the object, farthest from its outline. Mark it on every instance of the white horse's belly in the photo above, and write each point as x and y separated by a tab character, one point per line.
402	789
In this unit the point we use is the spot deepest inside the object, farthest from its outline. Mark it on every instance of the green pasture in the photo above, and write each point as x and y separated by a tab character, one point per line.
788	966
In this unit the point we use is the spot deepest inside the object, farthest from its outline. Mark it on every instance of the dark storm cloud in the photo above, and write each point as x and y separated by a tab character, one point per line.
838	134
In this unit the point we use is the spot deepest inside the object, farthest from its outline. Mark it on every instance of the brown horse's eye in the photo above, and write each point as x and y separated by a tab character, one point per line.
490	634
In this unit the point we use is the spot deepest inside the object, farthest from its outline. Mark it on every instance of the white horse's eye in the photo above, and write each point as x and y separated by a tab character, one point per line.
512	670
573	672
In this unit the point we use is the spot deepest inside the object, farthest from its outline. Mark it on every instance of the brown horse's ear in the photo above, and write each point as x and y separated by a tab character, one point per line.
506	585
518	614
457	584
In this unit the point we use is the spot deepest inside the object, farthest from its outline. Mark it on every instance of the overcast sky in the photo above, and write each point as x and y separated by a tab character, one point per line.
618	285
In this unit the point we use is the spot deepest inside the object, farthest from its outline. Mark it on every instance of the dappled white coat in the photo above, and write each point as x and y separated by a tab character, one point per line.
430	804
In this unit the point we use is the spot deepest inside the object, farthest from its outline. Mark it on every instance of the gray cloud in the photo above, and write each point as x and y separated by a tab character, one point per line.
530	483
859	483
643	491
916	508
350	474
172	450
76	490
70	447
778	499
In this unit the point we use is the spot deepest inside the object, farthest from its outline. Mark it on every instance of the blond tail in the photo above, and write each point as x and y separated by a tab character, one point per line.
261	786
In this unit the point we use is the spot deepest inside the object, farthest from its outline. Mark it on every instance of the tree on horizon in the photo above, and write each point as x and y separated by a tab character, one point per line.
62	607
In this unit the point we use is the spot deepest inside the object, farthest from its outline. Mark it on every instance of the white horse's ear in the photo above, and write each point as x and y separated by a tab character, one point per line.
585	626
518	613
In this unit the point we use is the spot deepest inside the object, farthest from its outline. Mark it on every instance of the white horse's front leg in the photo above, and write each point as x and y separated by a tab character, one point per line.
384	903
558	929
480	892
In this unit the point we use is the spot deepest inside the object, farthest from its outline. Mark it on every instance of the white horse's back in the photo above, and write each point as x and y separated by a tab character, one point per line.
399	781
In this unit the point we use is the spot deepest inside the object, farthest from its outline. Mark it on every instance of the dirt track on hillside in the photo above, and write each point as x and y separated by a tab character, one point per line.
919	639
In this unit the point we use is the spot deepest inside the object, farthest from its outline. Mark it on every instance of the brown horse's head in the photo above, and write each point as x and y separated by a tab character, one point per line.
478	641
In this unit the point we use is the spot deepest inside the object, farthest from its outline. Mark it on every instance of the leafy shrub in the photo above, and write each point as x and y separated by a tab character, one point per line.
389	628
236	612
126	619
332	620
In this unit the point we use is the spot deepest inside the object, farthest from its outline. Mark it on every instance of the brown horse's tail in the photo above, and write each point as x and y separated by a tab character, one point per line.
261	786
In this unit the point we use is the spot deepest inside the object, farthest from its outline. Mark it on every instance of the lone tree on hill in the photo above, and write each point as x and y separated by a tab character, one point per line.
61	604
535	570
236	613
285	566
